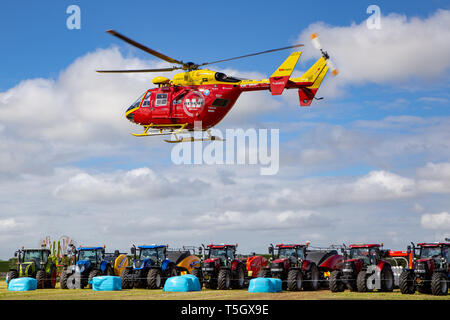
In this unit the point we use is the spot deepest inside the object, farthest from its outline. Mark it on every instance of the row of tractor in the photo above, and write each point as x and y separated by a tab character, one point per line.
424	267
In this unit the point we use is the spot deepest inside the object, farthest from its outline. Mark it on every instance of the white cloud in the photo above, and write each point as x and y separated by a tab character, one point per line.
403	48
133	185
8	224
438	221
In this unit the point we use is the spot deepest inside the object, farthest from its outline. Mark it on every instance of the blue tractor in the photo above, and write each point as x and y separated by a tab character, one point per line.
152	266
87	263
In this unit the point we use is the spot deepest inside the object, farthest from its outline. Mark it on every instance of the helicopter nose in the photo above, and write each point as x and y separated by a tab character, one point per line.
130	114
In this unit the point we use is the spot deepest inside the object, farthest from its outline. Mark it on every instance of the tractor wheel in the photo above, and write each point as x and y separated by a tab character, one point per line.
406	282
264	273
94	273
198	273
387	279
40	278
154	279
11	275
224	279
295	280
238	282
439	284
361	282
336	284
312	283
51	280
63	280
127	281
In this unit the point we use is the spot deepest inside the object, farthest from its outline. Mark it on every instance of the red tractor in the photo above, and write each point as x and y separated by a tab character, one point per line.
364	269
429	271
300	268
222	269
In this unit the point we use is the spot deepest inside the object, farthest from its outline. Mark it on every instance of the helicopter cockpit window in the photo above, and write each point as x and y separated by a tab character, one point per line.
146	102
161	99
137	102
224	78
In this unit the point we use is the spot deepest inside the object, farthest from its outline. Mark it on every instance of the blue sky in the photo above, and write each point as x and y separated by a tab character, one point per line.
370	162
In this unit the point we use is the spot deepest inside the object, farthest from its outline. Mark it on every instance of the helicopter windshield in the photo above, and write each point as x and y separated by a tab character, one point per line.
137	102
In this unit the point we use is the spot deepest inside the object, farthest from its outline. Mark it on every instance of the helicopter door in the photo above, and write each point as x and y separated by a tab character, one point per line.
161	104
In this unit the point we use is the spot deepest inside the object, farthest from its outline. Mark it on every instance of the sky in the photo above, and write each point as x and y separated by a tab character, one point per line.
368	163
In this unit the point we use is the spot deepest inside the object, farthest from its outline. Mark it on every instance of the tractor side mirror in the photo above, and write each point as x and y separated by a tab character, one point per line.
200	250
270	249
15	254
133	250
408	249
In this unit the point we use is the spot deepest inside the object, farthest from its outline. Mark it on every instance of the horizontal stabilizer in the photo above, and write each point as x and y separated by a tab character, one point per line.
280	77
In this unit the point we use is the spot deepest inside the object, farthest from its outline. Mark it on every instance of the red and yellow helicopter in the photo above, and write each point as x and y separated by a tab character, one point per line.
205	96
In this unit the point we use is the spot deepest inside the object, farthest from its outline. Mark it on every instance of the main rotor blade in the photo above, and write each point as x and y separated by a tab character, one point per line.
139	70
252	54
144	48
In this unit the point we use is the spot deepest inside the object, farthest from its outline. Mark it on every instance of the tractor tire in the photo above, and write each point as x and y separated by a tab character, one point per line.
439	284
40	278
198	273
387	279
361	282
51	279
239	281
154	278
94	273
224	279
264	273
295	280
406	282
336	284
127	280
12	274
63	280
312	283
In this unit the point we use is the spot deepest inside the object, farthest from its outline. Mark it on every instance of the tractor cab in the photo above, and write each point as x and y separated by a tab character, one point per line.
369	254
39	256
224	252
93	255
154	253
292	252
432	255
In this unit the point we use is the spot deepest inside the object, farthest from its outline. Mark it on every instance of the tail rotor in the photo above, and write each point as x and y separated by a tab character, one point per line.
316	43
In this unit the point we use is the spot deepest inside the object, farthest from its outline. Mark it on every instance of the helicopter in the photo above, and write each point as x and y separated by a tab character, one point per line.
202	96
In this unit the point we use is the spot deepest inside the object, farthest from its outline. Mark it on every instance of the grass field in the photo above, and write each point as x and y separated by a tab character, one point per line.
144	294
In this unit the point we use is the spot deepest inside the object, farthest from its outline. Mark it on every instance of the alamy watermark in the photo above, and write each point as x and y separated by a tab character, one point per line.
74	20
374	21
236	146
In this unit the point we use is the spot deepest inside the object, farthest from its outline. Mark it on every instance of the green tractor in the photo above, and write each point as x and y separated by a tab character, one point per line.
34	263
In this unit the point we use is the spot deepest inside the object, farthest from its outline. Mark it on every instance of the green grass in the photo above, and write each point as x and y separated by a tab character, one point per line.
144	294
